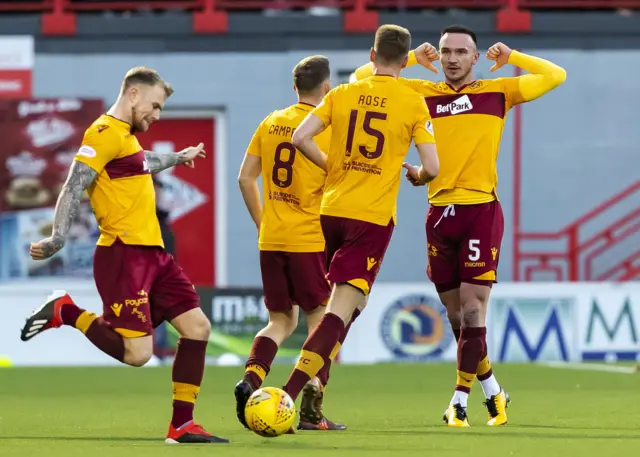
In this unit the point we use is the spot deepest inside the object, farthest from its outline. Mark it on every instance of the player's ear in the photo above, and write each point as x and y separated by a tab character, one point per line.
327	86
295	89
476	57
372	55
134	93
405	61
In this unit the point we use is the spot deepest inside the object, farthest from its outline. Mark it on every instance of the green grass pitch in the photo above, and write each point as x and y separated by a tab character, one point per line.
391	410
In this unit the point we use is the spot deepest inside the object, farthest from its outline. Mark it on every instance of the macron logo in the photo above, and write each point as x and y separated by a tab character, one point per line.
458	106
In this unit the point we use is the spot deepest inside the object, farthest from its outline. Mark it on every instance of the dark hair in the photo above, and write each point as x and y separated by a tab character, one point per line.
460	29
145	76
392	43
310	73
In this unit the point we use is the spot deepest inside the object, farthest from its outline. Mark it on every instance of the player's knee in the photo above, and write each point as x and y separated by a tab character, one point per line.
472	313
282	324
138	356
291	327
200	329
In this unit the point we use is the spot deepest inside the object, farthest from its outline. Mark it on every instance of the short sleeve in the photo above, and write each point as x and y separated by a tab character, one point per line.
323	110
423	126
255	145
100	145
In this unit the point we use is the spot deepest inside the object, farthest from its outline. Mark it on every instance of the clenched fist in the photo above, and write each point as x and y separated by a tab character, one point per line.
426	53
499	53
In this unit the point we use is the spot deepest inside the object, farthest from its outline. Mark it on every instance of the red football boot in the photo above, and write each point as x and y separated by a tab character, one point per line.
191	433
47	316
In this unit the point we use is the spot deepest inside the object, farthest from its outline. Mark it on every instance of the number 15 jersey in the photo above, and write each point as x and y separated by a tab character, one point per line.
292	185
373	122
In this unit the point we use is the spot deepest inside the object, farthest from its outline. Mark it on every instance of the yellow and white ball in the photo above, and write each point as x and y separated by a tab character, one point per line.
270	412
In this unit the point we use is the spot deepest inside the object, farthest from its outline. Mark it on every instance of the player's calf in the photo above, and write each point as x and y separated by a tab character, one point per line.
263	352
320	344
59	309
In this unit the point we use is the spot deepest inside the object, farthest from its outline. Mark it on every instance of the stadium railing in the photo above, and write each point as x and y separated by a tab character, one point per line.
210	16
580	248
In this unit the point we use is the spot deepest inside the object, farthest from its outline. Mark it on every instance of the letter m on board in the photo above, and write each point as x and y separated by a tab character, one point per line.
533	350
596	313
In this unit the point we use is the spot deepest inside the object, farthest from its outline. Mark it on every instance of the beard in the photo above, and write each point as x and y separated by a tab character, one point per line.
136	124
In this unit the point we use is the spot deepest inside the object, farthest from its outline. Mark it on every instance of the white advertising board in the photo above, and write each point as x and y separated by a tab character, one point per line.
526	322
64	346
402	323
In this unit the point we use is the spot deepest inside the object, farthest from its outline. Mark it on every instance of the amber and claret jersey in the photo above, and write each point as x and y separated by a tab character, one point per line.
468	125
292	185
373	124
122	196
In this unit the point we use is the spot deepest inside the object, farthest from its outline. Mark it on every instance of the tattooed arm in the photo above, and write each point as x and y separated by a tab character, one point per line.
81	176
157	161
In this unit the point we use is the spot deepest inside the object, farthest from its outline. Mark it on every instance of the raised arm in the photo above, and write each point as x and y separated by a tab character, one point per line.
544	75
160	161
80	177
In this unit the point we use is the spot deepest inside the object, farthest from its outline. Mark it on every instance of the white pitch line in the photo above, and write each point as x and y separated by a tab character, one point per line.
593	367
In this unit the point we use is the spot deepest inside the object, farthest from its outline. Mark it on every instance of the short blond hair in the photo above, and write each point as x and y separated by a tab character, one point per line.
392	43
146	76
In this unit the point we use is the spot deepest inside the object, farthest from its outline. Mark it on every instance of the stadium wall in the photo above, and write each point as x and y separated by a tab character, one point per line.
403	322
575	142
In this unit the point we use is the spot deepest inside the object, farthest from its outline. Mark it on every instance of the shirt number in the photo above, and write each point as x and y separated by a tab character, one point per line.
282	174
369	130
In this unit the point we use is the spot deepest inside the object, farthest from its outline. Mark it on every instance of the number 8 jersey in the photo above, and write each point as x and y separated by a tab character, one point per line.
373	122
292	185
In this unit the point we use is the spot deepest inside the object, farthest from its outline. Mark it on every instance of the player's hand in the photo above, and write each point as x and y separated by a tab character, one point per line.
499	53
44	249
413	174
189	154
426	53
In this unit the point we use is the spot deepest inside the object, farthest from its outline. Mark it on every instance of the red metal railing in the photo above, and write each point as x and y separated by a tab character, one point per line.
628	268
578	4
437	4
224	5
577	256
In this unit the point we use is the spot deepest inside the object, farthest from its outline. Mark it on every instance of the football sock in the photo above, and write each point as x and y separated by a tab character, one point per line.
323	374
187	374
258	365
460	397
489	383
95	328
470	349
456	333
315	353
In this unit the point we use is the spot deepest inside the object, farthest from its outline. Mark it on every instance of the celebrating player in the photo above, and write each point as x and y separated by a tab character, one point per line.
465	224
292	258
372	125
139	283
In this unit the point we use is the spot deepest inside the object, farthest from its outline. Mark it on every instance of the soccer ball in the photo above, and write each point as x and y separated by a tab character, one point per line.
270	412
